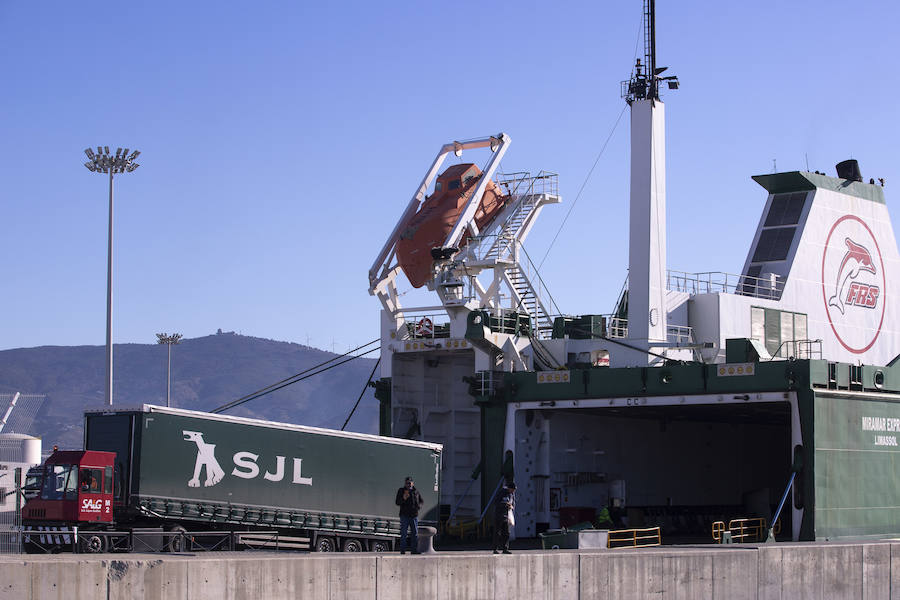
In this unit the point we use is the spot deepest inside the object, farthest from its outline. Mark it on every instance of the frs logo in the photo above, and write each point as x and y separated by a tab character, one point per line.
863	295
853	284
856	260
245	465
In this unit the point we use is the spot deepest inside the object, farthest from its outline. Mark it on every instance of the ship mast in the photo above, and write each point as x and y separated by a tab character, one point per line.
647	213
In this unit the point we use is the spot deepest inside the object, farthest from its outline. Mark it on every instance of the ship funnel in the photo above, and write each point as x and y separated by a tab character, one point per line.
849	169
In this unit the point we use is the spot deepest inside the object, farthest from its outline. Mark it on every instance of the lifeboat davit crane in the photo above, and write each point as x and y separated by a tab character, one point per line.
473	222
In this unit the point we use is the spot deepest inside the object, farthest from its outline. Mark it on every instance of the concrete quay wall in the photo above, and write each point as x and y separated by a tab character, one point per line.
827	571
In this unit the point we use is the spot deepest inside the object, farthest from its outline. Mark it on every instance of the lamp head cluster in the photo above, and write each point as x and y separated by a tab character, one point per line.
103	160
165	338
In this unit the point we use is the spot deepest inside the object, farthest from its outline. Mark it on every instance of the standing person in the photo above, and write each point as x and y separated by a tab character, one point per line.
410	501
503	510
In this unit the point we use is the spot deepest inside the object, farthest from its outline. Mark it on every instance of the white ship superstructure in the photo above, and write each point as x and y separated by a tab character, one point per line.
512	386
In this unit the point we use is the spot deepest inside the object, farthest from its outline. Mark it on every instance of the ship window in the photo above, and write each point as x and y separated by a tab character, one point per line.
800	327
787	326
453	184
773	331
438	186
785	209
774	244
757	323
780	331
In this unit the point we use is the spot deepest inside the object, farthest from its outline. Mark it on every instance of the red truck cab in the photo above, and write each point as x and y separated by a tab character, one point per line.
76	487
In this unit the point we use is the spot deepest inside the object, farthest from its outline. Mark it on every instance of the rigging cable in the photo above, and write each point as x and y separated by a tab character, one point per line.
630	346
586	179
296	377
255	395
365	385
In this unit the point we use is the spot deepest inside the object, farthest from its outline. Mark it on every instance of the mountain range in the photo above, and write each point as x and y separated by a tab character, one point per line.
207	372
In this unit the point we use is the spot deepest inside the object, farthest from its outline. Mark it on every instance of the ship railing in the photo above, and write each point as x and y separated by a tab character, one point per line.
712	282
512	184
800	349
426	326
634	538
516	183
616	326
679	334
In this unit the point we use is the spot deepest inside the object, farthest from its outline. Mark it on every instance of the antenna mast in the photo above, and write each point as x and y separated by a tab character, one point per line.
644	82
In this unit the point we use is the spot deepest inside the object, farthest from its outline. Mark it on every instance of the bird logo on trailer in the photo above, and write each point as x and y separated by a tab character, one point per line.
853	283
245	465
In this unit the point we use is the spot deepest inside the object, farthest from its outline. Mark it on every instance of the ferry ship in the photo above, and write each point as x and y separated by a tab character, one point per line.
697	397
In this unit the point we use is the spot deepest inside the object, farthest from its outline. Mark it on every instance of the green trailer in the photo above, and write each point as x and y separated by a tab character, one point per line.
317	488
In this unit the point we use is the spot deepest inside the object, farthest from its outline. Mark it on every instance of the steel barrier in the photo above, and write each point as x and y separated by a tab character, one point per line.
744	530
634	538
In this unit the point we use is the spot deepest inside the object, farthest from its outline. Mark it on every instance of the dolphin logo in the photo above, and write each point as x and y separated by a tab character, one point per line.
206	457
855	260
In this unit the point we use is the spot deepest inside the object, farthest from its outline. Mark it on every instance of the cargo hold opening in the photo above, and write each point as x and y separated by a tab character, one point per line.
680	467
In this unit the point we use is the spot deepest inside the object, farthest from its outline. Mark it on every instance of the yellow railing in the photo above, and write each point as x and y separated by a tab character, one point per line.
470	528
744	530
718	528
634	538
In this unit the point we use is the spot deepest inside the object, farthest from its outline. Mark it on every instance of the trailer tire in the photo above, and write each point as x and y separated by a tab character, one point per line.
353	545
325	544
91	543
381	546
175	543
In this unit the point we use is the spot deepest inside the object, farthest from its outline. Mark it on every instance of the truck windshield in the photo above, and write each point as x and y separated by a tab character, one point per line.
60	482
33	482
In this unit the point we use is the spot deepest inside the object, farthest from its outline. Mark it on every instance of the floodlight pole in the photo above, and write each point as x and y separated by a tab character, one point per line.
109	282
168	340
104	162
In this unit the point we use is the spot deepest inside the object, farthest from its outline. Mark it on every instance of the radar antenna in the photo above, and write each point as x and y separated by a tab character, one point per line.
644	82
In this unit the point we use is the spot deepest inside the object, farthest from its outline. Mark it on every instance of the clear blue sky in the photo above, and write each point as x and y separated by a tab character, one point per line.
281	141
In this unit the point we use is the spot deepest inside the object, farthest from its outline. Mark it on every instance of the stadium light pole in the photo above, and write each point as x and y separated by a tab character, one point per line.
104	162
168	340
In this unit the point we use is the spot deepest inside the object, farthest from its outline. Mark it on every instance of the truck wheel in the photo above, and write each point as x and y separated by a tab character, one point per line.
175	543
353	545
325	544
91	543
381	546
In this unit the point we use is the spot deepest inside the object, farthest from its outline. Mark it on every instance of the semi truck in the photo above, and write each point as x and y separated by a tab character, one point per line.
157	478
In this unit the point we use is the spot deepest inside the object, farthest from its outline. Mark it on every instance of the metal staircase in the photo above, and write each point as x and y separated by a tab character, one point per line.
528	194
501	244
528	298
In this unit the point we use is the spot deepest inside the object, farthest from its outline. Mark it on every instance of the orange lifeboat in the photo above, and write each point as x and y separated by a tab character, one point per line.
429	227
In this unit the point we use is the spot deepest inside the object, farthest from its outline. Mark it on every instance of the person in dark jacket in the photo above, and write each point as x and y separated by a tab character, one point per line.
503	508
410	501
